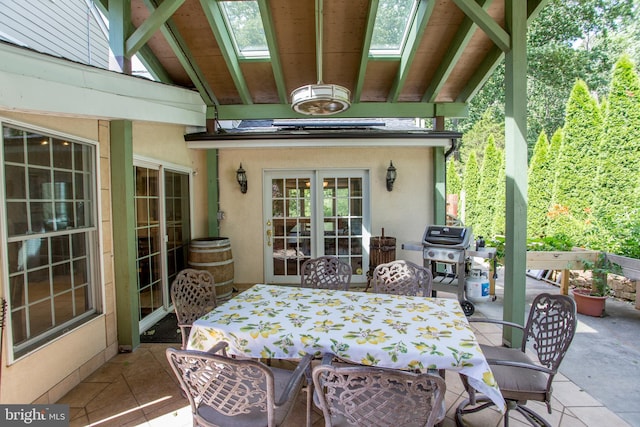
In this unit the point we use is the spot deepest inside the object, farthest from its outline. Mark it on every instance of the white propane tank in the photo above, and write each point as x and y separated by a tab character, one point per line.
477	285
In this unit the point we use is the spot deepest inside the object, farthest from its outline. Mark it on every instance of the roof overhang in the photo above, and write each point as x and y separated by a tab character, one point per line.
41	83
325	138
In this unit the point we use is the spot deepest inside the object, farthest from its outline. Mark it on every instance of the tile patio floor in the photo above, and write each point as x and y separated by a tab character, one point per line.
139	389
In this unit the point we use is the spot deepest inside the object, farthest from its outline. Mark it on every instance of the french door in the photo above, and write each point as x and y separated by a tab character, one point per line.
162	207
314	213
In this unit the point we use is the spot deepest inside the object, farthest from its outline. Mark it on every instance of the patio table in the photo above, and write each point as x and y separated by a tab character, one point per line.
392	331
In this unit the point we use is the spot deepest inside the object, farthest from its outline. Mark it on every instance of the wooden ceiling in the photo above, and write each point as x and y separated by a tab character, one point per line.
452	49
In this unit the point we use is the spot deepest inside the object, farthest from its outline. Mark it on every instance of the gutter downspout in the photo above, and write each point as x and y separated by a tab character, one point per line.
450	151
213	180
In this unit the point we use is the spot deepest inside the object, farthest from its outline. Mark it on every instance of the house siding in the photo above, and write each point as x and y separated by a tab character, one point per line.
65	28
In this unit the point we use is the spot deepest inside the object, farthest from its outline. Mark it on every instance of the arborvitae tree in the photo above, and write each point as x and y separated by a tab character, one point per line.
454	185
470	184
490	123
499	216
576	166
454	182
540	187
618	189
555	148
483	221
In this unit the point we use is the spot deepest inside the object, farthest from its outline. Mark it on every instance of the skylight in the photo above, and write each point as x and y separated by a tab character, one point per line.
392	25
246	29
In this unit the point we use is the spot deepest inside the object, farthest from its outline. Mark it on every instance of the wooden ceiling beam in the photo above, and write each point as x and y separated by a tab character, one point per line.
145	54
153	65
364	56
274	52
143	33
425	8
360	110
482	74
483	20
493	58
184	56
448	63
216	22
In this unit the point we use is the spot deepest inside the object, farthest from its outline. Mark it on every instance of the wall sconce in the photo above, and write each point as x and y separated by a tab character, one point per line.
241	176
391	176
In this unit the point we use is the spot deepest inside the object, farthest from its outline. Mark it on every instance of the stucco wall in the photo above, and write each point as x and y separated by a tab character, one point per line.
165	142
403	212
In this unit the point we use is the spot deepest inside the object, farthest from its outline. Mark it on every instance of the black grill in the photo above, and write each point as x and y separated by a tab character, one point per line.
450	237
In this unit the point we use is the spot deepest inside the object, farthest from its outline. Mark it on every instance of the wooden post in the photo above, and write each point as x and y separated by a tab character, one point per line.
564	284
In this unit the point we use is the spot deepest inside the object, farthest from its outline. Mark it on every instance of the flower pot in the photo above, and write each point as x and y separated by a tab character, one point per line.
589	304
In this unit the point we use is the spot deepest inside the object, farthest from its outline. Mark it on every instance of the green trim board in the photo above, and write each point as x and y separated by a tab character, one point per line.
124	241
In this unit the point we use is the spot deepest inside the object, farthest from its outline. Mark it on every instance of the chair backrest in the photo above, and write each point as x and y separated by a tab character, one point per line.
325	272
374	397
220	387
551	326
402	277
193	294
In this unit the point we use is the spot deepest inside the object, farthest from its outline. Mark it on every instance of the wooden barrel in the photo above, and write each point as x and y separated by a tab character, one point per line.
382	250
214	254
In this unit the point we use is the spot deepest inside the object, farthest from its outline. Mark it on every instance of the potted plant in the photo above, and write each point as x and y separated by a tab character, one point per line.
592	301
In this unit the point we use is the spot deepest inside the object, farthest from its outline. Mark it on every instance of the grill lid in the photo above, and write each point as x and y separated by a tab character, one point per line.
452	237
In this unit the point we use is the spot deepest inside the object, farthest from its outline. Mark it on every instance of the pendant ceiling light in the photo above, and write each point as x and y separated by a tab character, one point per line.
320	99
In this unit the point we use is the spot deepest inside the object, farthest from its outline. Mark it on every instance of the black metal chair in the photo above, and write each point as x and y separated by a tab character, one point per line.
550	326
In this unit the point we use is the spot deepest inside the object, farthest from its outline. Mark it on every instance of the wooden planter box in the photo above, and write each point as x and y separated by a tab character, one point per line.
572	260
559	260
630	270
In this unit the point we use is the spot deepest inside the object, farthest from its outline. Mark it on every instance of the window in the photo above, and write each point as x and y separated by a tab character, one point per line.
392	26
50	208
245	27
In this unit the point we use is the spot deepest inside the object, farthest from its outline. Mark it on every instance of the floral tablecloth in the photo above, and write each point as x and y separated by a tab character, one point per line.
393	331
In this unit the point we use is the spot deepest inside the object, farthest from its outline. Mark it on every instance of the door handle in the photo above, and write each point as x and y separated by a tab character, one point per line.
269	237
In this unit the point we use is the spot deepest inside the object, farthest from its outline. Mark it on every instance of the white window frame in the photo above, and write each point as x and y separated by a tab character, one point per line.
94	249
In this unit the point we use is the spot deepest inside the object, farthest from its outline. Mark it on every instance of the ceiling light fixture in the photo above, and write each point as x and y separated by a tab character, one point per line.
320	99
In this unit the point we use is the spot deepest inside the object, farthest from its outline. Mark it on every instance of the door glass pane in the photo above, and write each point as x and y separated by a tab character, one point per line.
343	216
148	238
177	222
291	226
